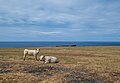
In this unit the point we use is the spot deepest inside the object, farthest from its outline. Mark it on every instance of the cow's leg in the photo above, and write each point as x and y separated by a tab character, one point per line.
24	56
35	57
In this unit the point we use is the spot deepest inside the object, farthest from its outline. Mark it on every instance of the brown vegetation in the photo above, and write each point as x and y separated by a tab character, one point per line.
77	65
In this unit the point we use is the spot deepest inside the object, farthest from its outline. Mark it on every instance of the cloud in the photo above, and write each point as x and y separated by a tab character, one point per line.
28	32
63	18
59	12
46	33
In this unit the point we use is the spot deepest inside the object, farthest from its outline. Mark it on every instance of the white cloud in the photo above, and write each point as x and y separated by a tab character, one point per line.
59	17
76	29
46	32
57	11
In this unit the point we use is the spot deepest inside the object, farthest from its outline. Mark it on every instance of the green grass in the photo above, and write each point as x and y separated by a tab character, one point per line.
98	64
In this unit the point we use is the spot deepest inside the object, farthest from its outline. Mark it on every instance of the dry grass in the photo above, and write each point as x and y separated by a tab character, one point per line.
77	65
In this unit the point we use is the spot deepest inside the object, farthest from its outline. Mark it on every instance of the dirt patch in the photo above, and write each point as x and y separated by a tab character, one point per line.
45	70
83	81
77	77
82	75
5	68
5	65
5	71
79	73
73	76
116	74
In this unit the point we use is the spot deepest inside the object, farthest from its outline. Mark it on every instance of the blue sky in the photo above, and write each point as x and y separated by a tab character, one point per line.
59	20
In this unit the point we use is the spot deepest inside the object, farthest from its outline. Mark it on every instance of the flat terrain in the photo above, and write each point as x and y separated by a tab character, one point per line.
98	64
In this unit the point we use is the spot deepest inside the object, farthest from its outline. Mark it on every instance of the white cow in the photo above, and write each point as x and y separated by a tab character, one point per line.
31	52
48	59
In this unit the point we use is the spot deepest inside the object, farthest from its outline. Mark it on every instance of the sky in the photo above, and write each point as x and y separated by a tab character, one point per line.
59	20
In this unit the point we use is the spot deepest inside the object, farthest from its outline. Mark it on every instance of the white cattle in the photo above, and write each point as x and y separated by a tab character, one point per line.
48	59
31	52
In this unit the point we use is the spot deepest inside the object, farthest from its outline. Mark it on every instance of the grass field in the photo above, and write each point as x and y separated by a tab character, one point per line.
98	64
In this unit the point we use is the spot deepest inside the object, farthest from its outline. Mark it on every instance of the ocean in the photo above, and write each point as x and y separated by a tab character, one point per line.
53	44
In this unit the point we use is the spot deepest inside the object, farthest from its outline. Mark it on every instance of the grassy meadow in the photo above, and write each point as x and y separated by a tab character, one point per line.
97	64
